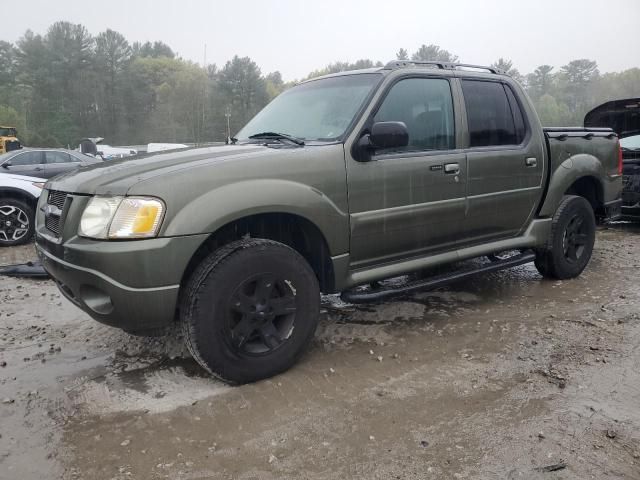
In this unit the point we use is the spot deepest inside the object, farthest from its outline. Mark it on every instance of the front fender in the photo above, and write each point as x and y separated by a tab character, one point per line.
220	206
570	170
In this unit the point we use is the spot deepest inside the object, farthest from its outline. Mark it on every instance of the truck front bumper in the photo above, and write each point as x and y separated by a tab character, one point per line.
132	285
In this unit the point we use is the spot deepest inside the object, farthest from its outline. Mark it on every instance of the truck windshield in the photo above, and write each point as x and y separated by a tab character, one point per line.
320	110
7	132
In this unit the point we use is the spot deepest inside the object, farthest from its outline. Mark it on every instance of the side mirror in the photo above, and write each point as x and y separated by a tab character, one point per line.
383	135
389	135
6	164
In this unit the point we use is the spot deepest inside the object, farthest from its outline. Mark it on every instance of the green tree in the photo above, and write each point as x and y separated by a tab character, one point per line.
242	90
70	50
344	67
112	57
274	84
154	50
540	82
8	70
187	99
402	54
145	80
33	81
433	53
551	112
575	81
507	66
11	118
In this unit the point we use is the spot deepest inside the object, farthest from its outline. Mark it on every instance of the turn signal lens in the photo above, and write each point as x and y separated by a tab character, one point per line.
137	217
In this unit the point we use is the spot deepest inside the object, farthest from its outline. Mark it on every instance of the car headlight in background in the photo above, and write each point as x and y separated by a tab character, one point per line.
121	217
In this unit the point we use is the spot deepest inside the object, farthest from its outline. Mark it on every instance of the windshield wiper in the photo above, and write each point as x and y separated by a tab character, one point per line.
277	136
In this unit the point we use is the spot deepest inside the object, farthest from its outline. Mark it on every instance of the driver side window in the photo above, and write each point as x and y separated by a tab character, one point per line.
425	105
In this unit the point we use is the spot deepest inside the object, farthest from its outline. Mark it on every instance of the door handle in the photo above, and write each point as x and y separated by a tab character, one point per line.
531	162
38	169
451	168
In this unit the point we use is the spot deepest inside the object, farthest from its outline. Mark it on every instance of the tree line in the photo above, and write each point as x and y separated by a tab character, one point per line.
67	84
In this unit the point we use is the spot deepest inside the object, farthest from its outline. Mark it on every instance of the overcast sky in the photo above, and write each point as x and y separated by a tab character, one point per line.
296	37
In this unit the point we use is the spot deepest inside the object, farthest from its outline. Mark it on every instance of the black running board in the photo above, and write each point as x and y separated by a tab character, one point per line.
371	296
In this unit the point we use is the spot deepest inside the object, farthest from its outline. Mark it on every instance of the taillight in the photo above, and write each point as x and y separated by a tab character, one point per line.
619	158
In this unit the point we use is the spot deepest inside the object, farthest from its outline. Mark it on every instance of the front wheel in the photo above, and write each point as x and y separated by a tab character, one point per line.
569	248
250	309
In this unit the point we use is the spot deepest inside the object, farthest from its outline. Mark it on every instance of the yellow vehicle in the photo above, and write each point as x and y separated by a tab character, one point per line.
9	139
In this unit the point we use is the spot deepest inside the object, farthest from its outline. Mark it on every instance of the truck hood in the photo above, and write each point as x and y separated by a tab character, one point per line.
623	116
117	177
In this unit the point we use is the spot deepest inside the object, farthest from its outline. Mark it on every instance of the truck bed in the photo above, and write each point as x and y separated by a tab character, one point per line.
600	146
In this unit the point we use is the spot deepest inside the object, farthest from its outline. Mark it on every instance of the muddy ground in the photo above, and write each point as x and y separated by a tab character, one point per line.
504	376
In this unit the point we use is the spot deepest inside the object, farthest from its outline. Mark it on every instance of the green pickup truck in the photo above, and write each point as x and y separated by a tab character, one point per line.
338	183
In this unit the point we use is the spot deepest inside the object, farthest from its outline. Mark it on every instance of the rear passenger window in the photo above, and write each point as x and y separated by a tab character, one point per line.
57	157
489	115
426	107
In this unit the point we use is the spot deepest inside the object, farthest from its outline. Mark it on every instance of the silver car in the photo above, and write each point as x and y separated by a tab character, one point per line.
43	162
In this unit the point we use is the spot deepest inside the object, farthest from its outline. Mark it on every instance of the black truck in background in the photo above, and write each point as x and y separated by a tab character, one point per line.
623	116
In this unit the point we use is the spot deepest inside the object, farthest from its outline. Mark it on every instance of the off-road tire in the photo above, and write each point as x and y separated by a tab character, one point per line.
6	204
555	259
207	309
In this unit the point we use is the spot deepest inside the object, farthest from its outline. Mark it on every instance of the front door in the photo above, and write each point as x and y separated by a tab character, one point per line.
409	201
30	163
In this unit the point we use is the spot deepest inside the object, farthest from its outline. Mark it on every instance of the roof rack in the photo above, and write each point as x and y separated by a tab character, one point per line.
394	64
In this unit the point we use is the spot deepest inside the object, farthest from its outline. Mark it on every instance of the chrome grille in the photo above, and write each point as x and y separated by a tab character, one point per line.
53	216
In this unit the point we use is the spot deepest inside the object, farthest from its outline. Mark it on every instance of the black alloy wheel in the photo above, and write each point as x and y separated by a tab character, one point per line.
262	314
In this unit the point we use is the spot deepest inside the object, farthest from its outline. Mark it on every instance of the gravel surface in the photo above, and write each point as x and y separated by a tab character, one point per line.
503	376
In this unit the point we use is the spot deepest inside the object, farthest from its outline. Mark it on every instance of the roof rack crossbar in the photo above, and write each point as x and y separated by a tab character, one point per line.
392	65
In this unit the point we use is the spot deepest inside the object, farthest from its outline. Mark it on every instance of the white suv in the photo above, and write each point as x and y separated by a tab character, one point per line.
18	199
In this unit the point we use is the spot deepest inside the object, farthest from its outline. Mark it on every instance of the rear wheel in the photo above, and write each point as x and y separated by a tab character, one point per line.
250	309
570	245
16	222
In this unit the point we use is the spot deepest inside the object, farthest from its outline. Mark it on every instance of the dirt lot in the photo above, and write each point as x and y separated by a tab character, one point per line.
505	376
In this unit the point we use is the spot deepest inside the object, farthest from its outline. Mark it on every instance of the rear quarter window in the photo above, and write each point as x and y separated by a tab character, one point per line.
490	117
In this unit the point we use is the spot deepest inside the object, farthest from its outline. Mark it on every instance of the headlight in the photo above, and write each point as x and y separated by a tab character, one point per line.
121	217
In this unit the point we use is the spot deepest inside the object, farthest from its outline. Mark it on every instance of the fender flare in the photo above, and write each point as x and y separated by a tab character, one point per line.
566	174
221	206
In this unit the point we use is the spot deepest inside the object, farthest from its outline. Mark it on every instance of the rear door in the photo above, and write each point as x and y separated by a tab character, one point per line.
59	162
29	163
505	162
408	201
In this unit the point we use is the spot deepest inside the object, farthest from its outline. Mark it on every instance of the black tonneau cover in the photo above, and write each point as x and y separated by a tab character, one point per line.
623	116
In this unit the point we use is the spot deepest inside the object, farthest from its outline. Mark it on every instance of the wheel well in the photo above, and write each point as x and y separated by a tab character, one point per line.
292	230
19	195
589	188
